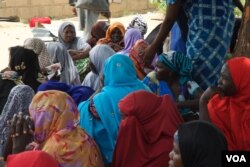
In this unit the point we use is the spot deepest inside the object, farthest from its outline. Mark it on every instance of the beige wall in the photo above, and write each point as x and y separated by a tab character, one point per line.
26	9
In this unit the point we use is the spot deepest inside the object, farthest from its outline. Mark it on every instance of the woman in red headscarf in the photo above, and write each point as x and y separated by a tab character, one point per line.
228	105
146	132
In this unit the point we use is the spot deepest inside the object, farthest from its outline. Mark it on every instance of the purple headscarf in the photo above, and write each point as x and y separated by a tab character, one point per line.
131	36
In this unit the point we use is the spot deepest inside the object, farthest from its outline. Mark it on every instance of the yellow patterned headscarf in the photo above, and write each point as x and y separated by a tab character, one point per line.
55	116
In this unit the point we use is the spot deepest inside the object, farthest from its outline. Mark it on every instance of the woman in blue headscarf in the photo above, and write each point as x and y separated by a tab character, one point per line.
100	115
173	77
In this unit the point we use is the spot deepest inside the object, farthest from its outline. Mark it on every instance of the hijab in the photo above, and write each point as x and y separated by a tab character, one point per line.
139	23
232	113
119	80
179	63
55	117
131	36
18	100
39	47
98	56
31	159
98	31
59	54
201	144
150	124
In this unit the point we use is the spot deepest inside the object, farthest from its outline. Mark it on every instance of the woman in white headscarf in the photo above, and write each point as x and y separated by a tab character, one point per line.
97	56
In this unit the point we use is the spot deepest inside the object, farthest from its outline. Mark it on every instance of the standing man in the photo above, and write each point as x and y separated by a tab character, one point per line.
209	30
87	18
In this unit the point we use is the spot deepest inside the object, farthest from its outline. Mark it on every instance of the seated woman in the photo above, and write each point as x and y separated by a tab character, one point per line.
76	47
24	69
227	105
137	54
19	100
39	47
58	54
131	36
98	55
173	77
55	118
197	144
98	31
114	36
146	132
139	23
100	115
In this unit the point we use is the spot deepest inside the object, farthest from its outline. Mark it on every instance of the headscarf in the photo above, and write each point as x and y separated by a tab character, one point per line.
98	31
150	125
77	93
131	36
136	54
77	44
39	47
31	159
97	56
25	63
107	40
55	116
179	63
59	54
19	100
119	80
201	144
139	23
232	113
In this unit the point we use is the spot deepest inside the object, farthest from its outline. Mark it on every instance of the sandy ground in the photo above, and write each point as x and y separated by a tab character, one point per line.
12	34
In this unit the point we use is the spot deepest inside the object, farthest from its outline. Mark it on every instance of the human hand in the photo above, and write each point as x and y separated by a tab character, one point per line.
21	131
209	93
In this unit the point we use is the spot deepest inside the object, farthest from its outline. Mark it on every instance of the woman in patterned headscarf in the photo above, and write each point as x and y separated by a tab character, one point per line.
173	76
139	23
56	131
39	47
114	36
18	101
136	54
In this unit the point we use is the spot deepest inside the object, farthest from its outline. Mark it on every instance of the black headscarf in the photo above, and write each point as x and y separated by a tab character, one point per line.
201	144
25	63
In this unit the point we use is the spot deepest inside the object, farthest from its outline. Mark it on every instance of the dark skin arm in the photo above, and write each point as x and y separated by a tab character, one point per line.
239	5
205	98
171	16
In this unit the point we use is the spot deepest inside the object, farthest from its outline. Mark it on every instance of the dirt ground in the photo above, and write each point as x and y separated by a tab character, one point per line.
12	34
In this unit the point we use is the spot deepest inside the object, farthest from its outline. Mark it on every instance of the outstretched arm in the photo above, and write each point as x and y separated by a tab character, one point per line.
171	16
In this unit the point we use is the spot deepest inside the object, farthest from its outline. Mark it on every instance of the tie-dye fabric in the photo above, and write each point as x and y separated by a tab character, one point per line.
55	116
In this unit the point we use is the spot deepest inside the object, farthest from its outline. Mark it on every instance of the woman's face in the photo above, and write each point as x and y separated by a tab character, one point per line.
116	35
175	155
69	34
225	82
162	72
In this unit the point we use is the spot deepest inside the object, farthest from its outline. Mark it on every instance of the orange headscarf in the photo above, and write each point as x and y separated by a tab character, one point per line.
137	54
232	113
146	133
107	40
55	115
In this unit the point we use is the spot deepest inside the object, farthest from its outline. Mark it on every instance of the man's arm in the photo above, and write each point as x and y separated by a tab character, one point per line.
171	16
